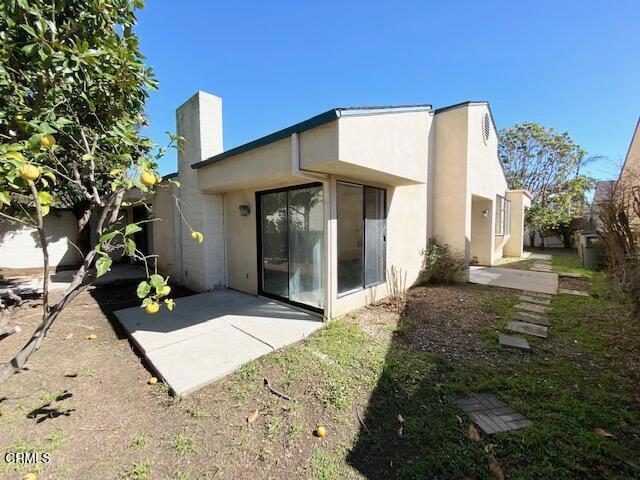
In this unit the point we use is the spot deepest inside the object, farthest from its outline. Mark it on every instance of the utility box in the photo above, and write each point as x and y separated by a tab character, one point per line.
591	250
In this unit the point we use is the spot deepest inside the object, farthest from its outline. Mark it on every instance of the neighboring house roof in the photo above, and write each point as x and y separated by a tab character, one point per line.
627	167
310	123
604	189
169	176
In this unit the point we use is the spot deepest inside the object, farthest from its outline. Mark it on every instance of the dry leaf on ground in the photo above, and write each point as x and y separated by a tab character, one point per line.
69	336
253	417
473	433
603	433
495	468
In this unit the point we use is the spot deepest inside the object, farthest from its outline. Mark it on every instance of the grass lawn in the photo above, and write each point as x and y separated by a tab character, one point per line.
382	381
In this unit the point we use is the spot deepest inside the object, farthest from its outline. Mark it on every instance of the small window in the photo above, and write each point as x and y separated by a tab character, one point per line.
486	125
503	216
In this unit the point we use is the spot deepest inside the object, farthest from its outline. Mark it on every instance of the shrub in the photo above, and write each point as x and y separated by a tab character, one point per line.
620	217
440	264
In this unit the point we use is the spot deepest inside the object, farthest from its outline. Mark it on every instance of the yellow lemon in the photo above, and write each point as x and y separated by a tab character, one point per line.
29	172
148	179
320	431
152	308
164	291
197	236
18	118
48	141
14	156
30	476
152	381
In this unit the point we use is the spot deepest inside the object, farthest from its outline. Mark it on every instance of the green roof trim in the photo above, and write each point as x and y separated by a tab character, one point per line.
308	124
318	120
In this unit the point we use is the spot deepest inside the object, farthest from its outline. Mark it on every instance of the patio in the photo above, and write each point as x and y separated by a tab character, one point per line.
541	282
209	335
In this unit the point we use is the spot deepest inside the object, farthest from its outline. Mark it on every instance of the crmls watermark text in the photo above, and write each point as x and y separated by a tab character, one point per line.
27	457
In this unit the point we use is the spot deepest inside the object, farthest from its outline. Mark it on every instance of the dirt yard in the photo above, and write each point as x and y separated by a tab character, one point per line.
382	382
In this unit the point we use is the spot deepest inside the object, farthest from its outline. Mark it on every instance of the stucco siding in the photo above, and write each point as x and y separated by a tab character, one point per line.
20	246
167	236
451	198
393	143
241	241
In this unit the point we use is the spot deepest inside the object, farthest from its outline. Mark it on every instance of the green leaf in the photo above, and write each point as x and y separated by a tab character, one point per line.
156	280
146	302
131	229
130	247
5	198
170	303
49	175
105	237
45	198
103	264
45	210
143	289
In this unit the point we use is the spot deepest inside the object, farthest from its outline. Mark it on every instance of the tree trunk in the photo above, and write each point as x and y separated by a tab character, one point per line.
542	246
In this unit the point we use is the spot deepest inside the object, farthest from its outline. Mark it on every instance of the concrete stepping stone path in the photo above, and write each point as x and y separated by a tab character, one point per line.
514	342
531	318
491	414
540	300
528	328
569	274
579	293
532	307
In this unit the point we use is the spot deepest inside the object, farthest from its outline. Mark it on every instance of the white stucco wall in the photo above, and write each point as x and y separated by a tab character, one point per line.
466	166
450	196
20	245
167	232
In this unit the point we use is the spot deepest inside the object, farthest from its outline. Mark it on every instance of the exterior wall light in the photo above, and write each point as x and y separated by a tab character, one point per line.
485	213
244	210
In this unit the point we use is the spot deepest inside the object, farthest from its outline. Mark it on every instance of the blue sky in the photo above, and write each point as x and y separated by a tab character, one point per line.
571	65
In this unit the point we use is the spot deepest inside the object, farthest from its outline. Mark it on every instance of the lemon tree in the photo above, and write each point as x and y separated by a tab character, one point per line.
73	87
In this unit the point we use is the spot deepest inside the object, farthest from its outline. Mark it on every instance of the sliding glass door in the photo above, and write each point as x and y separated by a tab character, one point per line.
291	244
361	236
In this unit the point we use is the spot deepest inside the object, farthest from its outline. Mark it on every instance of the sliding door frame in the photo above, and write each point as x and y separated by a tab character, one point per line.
260	262
364	285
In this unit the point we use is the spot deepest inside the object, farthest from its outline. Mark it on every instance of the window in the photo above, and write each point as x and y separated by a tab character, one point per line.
361	236
503	216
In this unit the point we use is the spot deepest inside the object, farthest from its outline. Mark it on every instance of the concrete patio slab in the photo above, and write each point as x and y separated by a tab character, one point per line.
541	282
209	335
579	293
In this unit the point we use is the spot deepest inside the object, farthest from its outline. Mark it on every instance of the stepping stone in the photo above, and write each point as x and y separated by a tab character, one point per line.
569	274
526	327
540	300
531	318
532	307
579	293
491	414
531	293
514	342
538	268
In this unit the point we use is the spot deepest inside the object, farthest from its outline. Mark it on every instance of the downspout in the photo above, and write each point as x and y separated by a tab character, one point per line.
296	171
